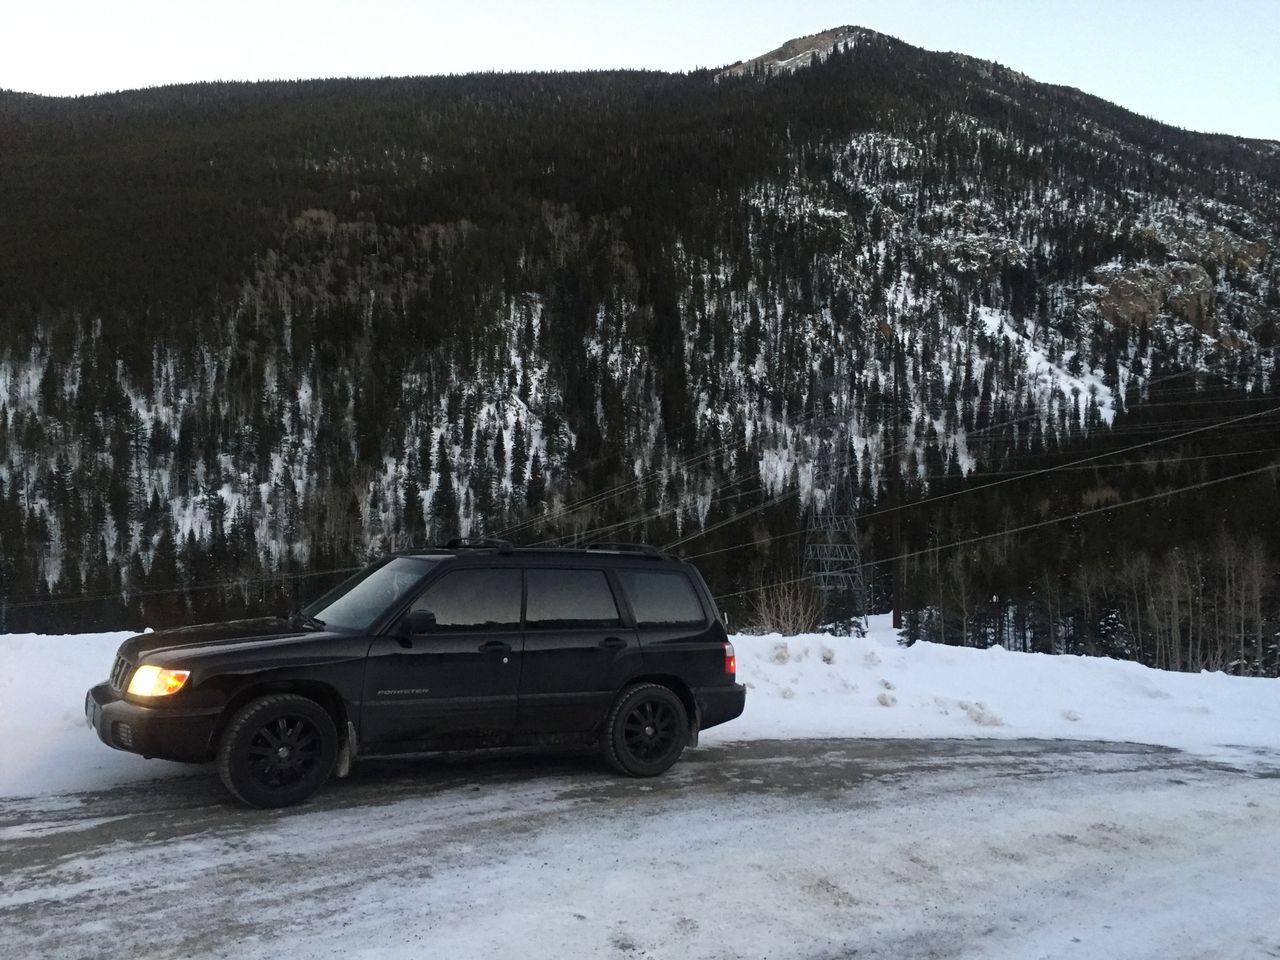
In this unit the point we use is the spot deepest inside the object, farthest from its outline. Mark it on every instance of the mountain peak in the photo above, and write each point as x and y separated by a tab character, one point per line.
800	52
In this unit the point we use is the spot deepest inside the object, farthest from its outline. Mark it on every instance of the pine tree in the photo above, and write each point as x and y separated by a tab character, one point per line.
519	455
414	520
444	505
537	484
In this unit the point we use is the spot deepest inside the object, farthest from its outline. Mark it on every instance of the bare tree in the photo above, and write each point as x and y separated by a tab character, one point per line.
789	607
958	586
1255	587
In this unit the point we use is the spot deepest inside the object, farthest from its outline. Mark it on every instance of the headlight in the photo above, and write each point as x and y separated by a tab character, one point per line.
152	681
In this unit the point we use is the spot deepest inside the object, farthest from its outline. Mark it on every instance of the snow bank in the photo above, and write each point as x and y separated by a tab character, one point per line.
45	745
799	687
822	686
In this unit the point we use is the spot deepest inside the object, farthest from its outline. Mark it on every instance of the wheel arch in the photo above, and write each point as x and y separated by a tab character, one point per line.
680	689
322	693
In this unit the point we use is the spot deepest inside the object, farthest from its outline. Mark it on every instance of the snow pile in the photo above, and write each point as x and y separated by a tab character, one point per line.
45	745
823	686
798	687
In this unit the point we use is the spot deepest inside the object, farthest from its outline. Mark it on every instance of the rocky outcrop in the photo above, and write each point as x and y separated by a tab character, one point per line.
1138	295
984	254
799	52
1192	239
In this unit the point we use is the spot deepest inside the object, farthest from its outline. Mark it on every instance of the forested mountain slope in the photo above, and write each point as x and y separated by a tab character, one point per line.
249	330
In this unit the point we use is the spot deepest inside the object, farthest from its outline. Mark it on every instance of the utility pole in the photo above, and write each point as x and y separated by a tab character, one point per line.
893	465
899	571
831	554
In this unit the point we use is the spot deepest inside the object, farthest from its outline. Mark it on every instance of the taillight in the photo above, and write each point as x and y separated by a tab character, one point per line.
730	660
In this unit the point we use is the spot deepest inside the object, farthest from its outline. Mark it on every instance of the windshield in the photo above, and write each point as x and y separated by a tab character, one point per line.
357	603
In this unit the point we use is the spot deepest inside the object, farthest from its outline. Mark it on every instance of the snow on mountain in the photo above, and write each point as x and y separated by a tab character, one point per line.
1052	382
799	52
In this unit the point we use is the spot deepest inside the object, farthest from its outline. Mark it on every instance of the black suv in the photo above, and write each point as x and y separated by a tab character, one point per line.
471	645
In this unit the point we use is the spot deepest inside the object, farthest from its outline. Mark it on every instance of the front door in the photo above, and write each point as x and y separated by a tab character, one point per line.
456	683
577	651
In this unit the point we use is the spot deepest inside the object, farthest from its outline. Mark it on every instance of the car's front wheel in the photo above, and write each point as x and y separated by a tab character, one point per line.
646	730
277	750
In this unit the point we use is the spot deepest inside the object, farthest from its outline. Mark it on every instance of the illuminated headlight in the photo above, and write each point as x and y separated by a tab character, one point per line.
152	681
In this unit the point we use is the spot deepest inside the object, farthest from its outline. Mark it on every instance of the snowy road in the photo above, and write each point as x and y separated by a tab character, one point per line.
831	849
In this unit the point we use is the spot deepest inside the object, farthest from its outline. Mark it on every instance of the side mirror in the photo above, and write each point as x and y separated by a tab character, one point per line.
414	624
418	622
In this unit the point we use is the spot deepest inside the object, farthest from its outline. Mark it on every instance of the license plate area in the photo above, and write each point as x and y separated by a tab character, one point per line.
90	712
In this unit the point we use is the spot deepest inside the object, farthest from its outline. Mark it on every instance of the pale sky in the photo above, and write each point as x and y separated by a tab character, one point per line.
1196	63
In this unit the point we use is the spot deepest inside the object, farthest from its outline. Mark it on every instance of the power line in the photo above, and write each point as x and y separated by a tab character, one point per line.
1130	463
1012	476
1079	514
787	495
1126	430
901	449
124	593
1083	460
1015	474
618	489
640	482
1139	407
642	518
598	532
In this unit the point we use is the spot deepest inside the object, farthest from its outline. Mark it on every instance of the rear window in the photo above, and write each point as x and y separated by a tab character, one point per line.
570	598
662	598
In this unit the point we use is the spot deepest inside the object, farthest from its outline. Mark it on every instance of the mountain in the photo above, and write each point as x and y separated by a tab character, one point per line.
254	330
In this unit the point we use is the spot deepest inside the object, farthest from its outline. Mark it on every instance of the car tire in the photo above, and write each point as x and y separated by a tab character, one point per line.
645	731
277	750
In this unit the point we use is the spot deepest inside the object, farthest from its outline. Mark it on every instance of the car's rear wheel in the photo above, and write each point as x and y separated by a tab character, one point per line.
277	750
646	730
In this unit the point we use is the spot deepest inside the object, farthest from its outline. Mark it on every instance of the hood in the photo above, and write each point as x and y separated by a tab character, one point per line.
204	634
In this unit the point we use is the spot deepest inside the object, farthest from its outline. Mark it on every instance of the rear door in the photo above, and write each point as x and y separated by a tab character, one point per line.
457	683
578	650
677	630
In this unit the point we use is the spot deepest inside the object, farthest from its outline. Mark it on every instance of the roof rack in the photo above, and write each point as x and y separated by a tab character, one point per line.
478	543
653	553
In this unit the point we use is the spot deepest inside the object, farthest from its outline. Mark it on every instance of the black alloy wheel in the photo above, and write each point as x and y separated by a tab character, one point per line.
277	750
284	752
650	729
646	731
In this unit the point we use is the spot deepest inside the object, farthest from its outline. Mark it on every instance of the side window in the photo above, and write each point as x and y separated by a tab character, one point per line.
473	600
662	598
570	598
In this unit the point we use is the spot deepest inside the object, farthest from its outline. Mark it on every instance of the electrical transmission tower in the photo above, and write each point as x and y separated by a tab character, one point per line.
832	558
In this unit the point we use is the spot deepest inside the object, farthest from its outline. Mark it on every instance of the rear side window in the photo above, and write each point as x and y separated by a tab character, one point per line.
474	600
570	598
662	598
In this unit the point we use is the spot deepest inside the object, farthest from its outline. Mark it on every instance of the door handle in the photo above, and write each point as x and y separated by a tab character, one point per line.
613	643
495	646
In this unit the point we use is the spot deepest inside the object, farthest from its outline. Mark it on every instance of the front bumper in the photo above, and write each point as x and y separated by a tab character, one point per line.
172	733
718	705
